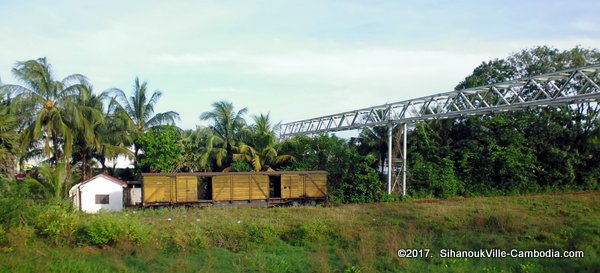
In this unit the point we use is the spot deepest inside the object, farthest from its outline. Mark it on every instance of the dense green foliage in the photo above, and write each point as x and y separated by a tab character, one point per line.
548	149
66	124
138	109
161	147
8	141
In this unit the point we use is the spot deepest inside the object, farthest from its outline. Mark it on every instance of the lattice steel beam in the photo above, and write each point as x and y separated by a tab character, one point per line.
559	88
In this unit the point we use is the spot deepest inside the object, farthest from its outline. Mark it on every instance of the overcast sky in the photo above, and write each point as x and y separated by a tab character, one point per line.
293	59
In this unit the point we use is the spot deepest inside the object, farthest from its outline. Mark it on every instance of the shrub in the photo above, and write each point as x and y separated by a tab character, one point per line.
15	208
435	178
56	222
109	228
260	234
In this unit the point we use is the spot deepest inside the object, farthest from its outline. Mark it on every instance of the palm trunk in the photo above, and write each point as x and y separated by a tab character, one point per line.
84	167
57	154
103	163
136	149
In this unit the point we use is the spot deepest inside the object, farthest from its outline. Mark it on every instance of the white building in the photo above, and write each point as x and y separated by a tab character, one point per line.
99	192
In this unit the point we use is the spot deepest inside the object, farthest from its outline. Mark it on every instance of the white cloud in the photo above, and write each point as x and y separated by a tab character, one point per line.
344	66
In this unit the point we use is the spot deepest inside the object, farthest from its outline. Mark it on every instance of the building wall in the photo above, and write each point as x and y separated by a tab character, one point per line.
101	185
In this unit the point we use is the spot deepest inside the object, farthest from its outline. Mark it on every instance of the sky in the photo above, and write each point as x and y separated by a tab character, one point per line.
292	59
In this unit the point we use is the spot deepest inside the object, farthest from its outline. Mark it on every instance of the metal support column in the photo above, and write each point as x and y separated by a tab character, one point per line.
404	162
390	169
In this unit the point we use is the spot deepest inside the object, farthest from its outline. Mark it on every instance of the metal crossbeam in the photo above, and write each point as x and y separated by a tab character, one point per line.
559	88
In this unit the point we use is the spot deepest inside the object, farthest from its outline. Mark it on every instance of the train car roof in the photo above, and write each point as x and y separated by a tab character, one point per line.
277	173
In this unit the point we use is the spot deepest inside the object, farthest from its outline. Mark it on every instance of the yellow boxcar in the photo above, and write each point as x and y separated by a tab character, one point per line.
292	185
186	188
315	185
157	189
221	187
273	187
259	187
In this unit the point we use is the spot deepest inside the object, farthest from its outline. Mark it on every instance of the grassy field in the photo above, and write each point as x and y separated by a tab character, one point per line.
345	238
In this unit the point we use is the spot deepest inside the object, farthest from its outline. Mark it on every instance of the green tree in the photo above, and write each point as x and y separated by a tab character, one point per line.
197	146
55	182
115	135
262	148
139	107
490	72
8	141
228	126
46	104
553	148
162	149
86	137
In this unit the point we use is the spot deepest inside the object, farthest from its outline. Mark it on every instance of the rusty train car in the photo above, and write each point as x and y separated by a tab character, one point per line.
234	188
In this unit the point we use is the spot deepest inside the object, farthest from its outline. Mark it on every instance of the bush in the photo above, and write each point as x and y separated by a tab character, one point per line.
110	228
261	234
56	222
435	178
15	208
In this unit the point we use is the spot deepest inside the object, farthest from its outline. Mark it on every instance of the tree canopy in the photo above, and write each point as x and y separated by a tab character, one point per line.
76	131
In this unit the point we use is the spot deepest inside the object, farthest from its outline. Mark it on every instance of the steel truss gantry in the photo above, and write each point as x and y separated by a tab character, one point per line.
571	86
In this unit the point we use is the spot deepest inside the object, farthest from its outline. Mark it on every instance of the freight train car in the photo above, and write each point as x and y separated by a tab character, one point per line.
240	188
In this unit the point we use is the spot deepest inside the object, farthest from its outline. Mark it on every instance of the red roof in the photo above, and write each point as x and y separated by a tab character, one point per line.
118	181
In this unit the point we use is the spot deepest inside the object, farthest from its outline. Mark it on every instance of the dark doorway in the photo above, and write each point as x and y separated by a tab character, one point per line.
274	186
204	188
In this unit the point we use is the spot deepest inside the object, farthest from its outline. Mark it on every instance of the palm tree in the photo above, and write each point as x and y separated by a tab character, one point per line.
87	140
262	159
140	110
198	146
262	131
374	141
115	135
54	181
94	139
46	103
8	141
262	148
228	126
